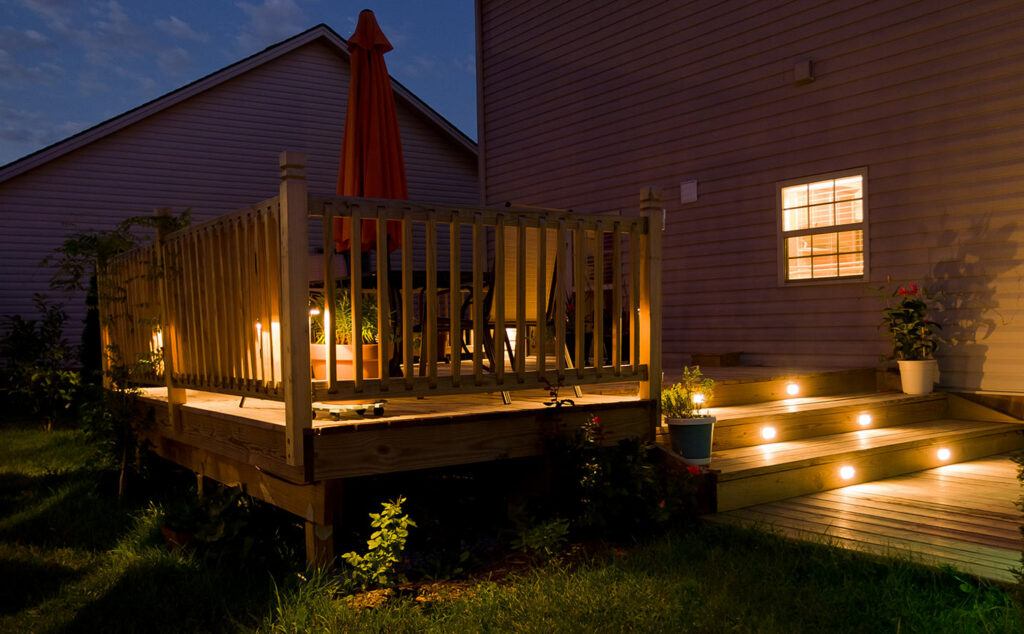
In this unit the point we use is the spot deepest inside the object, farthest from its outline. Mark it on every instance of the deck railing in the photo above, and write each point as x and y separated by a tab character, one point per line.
538	297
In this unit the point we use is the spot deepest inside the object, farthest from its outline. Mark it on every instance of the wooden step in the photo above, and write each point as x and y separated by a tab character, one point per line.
746	385
777	471
798	418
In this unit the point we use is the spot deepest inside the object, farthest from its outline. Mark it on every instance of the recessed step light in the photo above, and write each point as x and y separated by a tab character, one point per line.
792	389
846	472
864	420
768	433
944	453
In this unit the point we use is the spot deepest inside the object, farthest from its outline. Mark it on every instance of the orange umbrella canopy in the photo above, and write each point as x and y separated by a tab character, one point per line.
371	163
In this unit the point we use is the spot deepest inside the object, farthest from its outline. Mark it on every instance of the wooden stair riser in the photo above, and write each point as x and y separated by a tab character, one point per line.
869	465
746	432
823	384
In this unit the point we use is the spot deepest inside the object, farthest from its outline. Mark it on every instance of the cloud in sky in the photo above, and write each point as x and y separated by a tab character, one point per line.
267	22
180	29
31	128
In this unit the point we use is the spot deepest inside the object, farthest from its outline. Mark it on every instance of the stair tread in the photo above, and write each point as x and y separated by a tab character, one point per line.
735	414
769	457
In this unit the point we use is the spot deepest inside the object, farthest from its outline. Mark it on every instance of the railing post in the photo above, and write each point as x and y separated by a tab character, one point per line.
168	328
650	300
295	364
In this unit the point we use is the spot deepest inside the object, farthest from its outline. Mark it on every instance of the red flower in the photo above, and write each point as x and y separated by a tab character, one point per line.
693	469
661	504
596	420
902	291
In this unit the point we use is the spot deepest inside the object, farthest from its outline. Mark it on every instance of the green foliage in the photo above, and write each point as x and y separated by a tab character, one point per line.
36	375
914	336
686	398
376	568
543	541
343	318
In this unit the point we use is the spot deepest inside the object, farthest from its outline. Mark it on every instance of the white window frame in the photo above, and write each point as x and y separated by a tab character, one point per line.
862	226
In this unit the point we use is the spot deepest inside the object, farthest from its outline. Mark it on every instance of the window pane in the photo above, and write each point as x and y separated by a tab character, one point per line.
799	246
793	219
851	264
821	216
849	188
820	192
795	196
849	212
823	243
851	241
799	269
826	266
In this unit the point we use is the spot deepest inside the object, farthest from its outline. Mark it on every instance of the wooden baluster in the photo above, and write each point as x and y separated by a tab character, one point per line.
243	247
455	296
407	349
329	317
478	298
356	298
561	274
169	324
294	244
499	300
383	299
579	251
598	344
634	296
520	348
616	298
428	331
542	297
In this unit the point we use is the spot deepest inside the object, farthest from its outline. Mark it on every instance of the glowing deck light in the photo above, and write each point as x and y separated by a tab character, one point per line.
944	454
313	312
768	433
847	472
698	399
864	420
792	389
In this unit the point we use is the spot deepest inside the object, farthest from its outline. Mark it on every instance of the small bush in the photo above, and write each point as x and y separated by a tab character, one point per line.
377	567
543	541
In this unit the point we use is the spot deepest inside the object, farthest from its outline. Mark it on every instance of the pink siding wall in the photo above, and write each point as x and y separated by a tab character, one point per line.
585	103
215	152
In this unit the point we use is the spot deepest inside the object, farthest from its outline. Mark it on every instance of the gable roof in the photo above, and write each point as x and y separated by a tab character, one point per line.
125	119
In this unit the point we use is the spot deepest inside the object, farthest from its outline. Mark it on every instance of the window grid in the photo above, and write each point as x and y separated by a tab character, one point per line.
823	228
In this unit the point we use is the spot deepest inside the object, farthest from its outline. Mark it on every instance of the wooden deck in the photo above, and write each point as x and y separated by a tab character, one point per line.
962	515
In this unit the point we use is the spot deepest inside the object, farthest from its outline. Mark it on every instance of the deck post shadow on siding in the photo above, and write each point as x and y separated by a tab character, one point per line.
295	362
650	299
169	329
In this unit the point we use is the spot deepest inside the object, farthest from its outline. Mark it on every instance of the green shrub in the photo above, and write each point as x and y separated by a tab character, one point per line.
543	541
684	399
377	567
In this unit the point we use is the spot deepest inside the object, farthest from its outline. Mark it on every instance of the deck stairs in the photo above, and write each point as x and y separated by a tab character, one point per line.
837	430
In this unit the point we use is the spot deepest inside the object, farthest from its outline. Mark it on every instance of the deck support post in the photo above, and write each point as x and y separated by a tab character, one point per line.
320	525
169	331
295	364
650	301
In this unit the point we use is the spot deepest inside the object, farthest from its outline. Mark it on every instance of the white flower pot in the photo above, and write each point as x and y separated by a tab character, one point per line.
692	438
918	377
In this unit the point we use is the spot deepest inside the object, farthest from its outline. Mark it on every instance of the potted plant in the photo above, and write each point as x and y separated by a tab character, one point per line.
915	338
690	429
343	337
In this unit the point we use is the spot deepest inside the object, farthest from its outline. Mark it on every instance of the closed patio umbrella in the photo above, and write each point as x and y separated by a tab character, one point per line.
371	163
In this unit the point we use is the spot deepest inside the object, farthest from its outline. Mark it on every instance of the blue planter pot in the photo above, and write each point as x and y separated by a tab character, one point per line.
692	437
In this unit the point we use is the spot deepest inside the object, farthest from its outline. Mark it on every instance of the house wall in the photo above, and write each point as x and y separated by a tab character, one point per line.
585	103
214	153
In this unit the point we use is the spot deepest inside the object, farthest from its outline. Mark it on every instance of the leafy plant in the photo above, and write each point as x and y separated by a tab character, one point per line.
376	568
543	541
343	318
553	400
914	336
684	399
37	359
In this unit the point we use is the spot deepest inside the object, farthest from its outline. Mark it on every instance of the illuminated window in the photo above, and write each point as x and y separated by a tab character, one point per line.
823	227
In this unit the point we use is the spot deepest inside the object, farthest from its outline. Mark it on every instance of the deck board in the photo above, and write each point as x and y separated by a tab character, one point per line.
963	515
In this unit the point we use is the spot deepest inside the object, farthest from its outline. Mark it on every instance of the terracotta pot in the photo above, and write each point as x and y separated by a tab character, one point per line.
343	361
918	377
692	438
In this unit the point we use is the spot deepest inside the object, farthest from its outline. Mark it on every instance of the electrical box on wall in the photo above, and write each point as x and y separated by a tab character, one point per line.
688	191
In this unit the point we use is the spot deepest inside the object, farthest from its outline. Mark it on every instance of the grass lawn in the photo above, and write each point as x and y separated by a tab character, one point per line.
71	559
